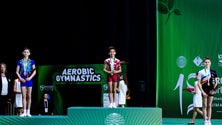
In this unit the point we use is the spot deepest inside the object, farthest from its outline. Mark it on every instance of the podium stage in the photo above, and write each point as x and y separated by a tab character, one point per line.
92	116
103	116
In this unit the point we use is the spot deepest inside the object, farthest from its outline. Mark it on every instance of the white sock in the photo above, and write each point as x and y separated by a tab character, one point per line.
24	111
111	104
28	111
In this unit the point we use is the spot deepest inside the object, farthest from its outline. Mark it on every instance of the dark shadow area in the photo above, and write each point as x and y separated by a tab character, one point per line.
79	32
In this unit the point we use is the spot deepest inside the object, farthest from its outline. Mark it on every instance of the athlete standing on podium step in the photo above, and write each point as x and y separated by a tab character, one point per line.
25	71
207	81
112	67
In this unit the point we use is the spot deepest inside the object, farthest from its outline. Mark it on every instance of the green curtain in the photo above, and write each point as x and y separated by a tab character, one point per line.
187	31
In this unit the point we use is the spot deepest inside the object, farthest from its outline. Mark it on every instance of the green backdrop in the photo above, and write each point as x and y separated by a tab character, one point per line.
50	77
187	31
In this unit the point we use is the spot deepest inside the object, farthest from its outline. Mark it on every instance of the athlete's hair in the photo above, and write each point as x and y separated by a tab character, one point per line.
26	48
111	47
206	58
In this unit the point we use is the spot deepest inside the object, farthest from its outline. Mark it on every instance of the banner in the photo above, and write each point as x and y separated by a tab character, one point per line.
187	31
59	79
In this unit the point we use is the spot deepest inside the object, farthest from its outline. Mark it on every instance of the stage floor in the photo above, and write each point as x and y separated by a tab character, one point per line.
184	121
103	116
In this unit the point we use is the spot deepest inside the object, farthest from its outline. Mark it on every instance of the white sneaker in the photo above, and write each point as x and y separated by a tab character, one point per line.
114	105
23	115
110	105
209	122
29	115
206	122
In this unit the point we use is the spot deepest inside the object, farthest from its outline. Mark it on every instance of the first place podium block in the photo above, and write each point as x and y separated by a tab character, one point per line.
115	116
